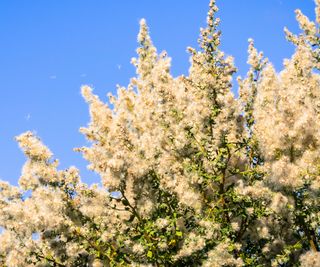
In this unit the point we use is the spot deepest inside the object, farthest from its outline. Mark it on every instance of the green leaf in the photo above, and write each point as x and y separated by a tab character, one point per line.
178	233
149	254
125	202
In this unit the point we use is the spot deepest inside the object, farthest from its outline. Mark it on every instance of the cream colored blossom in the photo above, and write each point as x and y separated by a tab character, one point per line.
189	173
310	259
220	256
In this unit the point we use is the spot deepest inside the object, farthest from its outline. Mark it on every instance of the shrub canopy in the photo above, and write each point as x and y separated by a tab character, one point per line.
191	175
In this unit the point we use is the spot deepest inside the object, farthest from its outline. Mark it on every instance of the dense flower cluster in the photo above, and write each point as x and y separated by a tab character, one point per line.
191	175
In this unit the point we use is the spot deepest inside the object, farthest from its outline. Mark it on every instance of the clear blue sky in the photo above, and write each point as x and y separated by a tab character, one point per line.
48	49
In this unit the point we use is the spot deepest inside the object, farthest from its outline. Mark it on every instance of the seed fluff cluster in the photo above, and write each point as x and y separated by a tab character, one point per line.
190	174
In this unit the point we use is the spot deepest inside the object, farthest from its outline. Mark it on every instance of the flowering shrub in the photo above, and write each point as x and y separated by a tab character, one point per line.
191	175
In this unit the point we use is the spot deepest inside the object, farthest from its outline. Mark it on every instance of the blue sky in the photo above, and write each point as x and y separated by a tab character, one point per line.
50	48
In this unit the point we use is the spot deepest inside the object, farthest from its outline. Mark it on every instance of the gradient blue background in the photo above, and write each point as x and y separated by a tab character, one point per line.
48	49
